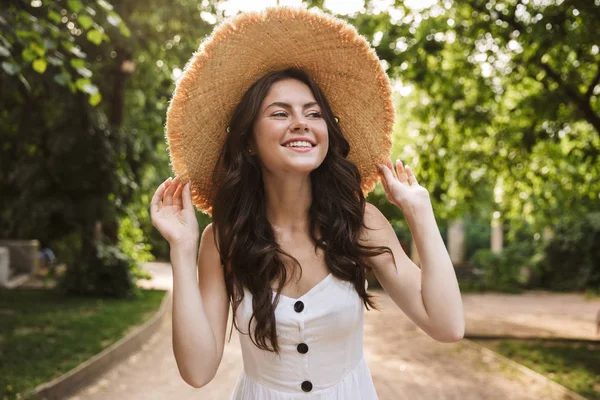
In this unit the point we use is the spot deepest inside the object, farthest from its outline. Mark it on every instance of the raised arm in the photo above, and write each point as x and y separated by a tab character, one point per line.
200	301
200	311
430	296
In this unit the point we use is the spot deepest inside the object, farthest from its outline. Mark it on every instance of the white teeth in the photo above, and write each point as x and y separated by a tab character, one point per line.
298	144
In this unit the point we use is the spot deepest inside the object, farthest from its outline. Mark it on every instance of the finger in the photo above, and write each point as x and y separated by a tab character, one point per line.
411	175
155	203
387	173
401	173
168	199
388	177
385	187
390	165
177	201
382	179
187	196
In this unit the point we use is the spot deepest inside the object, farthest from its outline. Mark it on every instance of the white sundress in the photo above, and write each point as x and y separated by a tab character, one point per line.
321	344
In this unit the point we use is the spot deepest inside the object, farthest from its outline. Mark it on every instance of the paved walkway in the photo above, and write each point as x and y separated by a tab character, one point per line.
533	314
405	362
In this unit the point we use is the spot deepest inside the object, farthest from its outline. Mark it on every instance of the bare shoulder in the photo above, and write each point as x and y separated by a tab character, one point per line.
373	215
379	231
208	239
208	230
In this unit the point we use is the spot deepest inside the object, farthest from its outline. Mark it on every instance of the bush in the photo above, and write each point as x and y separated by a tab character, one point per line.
111	270
571	258
67	248
477	235
108	272
132	242
159	246
504	271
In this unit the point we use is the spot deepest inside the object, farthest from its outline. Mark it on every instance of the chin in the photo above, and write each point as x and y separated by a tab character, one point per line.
296	163
300	166
306	168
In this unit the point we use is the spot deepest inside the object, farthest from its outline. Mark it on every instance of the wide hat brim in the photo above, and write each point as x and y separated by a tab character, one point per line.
244	48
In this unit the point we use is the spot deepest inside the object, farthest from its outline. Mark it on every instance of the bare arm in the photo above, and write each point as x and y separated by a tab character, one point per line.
200	301
200	310
429	297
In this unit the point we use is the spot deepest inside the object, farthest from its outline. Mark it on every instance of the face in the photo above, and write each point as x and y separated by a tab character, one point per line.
290	113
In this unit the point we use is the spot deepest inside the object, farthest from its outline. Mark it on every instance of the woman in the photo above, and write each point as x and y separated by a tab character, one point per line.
292	236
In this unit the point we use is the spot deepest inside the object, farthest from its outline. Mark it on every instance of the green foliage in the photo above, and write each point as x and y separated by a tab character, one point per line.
160	247
477	235
106	273
499	114
66	166
504	271
500	107
571	257
132	240
66	247
50	38
471	286
165	34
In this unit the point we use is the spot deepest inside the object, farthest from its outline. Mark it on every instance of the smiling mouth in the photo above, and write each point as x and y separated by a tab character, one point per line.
299	148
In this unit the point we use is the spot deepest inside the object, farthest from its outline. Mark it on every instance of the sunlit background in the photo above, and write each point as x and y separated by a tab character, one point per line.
336	6
497	112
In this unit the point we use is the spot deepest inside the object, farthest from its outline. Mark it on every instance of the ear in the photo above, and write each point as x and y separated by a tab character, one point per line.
251	145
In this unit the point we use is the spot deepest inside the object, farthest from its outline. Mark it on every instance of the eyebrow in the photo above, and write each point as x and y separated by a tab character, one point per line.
286	105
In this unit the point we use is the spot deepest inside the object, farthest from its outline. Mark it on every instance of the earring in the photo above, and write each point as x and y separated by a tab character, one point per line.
227	129
337	120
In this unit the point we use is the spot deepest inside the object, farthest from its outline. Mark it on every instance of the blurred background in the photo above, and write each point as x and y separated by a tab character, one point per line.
498	114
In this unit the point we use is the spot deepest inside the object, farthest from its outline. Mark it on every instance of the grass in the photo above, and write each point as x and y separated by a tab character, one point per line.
474	286
575	365
591	294
44	335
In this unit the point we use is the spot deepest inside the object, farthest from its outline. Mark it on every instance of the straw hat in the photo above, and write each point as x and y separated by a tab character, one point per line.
245	47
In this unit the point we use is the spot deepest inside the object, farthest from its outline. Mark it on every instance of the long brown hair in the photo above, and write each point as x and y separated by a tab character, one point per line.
245	238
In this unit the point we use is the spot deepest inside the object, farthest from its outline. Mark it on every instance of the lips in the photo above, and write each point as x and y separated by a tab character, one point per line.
300	139
299	149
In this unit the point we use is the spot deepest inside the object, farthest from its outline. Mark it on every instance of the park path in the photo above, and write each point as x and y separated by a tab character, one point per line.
405	363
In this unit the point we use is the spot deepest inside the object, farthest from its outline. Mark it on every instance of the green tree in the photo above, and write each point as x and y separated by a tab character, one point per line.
503	113
81	161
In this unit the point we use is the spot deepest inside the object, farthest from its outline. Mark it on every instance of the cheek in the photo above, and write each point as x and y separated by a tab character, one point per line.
319	128
266	137
323	139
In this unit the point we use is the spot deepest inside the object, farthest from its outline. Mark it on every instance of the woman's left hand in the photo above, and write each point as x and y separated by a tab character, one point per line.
402	189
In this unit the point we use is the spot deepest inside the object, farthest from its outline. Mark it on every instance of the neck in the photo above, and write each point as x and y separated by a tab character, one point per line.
288	201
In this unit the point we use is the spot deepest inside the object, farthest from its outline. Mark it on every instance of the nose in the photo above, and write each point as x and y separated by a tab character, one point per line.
299	125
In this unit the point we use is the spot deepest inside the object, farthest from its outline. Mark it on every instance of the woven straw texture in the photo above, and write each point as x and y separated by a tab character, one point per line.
245	47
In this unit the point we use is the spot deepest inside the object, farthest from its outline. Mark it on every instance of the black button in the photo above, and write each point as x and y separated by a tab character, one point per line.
299	306
302	348
306	386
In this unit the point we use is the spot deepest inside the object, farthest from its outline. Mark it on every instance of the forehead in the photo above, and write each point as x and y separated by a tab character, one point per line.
290	91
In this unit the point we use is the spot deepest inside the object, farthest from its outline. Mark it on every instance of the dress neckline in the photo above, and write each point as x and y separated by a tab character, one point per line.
309	291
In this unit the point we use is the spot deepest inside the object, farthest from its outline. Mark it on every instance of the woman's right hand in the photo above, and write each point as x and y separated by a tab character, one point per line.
173	215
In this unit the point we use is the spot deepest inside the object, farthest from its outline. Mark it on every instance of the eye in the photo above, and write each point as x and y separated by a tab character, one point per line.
316	114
